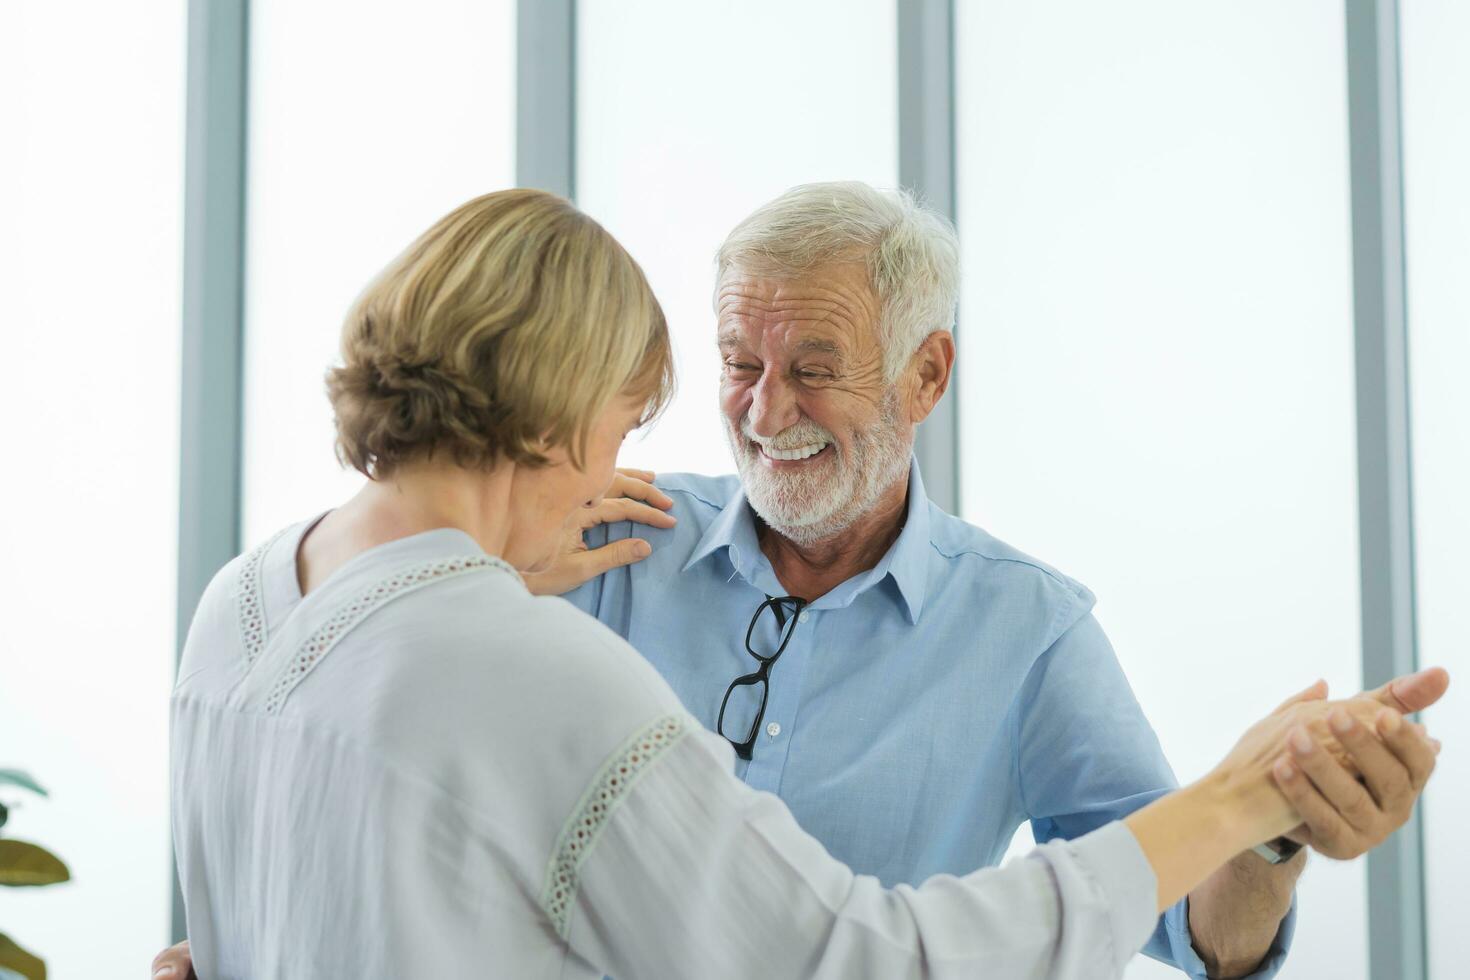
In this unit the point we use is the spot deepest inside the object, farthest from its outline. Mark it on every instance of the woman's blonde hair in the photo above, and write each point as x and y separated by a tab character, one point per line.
504	331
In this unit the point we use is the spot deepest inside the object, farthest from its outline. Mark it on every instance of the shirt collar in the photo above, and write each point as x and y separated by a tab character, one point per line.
906	560
733	529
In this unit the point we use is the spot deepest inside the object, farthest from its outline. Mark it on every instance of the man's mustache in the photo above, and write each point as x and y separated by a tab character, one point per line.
803	433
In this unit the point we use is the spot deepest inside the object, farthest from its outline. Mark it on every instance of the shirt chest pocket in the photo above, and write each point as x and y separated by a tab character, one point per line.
697	648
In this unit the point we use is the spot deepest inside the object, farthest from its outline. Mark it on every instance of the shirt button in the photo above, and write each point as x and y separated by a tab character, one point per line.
801	618
773	729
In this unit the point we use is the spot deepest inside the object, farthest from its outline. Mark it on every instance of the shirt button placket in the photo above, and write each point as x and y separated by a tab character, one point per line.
787	682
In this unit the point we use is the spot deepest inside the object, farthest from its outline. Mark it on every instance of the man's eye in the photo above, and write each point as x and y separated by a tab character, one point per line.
736	366
813	375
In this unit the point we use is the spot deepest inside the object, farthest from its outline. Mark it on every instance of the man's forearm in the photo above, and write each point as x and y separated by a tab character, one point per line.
1235	914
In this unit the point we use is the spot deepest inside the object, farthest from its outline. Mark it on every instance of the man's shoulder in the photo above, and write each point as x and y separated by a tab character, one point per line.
699	494
698	502
967	548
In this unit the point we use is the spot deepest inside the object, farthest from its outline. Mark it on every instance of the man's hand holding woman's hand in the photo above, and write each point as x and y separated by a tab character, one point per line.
1337	775
1301	766
1348	809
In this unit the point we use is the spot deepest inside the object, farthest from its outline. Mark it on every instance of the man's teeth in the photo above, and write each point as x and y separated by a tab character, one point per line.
794	454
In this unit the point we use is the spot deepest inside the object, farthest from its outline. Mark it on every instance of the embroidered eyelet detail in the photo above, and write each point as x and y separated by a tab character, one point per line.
607	790
321	642
248	602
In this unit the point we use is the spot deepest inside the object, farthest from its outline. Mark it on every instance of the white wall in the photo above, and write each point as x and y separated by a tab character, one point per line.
91	191
368	123
692	115
1156	355
1436	92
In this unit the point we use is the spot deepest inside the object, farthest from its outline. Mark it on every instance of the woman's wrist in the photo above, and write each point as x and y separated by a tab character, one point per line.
1196	829
1246	805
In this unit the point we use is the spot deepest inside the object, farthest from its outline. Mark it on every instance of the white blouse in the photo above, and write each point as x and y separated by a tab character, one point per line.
420	769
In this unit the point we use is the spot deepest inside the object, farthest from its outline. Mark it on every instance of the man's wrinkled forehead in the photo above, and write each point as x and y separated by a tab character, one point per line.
826	311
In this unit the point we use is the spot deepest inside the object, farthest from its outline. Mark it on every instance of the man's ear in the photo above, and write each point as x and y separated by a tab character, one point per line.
930	369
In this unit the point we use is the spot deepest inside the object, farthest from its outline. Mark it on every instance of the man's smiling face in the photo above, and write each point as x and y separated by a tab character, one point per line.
817	430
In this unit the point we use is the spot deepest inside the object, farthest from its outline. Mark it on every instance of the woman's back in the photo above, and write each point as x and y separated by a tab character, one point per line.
373	780
419	769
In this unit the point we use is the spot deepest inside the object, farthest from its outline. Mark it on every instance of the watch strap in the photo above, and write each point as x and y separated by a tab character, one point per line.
1277	851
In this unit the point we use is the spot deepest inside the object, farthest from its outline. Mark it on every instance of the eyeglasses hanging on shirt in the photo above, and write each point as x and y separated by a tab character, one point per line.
757	685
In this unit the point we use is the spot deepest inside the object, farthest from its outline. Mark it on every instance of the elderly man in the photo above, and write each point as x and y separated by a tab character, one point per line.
913	688
925	688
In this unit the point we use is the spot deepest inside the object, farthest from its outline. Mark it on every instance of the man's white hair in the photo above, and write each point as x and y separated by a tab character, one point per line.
911	253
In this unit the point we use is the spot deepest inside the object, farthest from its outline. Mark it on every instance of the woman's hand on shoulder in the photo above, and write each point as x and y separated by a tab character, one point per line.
632	497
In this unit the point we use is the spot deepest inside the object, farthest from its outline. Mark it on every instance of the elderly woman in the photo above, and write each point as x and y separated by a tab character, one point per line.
391	759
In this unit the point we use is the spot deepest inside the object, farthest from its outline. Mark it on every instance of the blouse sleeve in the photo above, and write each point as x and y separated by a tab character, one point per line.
671	867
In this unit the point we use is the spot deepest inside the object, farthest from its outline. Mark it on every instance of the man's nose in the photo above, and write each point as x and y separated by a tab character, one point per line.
773	406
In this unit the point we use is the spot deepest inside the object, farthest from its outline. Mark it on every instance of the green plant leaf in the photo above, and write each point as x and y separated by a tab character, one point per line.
17	960
28	864
17	778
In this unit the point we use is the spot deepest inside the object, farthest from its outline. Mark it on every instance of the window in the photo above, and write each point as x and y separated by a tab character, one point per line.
1156	353
1436	78
91	189
690	116
368	122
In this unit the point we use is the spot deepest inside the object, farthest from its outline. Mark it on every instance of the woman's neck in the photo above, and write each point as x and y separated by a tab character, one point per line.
411	500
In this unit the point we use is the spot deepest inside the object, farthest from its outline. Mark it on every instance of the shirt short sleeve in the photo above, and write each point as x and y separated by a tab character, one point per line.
1086	755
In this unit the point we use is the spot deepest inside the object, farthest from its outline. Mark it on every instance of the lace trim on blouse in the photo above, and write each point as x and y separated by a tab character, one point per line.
607	790
349	614
248	602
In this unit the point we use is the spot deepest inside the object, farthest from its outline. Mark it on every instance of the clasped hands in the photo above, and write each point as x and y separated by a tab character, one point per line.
1348	772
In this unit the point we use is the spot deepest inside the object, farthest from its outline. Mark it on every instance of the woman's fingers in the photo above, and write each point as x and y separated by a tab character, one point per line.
614	509
615	554
1315	692
638	484
645	475
575	568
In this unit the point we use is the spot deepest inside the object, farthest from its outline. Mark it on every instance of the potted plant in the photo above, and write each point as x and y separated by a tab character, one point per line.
24	865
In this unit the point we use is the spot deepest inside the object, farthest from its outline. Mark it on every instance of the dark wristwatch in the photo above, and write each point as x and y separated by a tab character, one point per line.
1277	851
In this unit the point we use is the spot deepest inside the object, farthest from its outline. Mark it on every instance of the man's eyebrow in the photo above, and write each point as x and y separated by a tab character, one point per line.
812	345
815	346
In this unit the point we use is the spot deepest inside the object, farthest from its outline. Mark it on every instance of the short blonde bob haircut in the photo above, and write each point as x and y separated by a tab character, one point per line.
503	332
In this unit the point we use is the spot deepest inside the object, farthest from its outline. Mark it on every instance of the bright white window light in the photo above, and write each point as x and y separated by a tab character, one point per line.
692	115
1434	37
368	122
1156	354
91	227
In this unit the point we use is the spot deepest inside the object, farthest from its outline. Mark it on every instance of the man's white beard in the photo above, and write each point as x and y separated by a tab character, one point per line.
816	502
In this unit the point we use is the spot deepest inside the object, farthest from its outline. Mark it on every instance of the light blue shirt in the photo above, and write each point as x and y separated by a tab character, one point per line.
923	709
